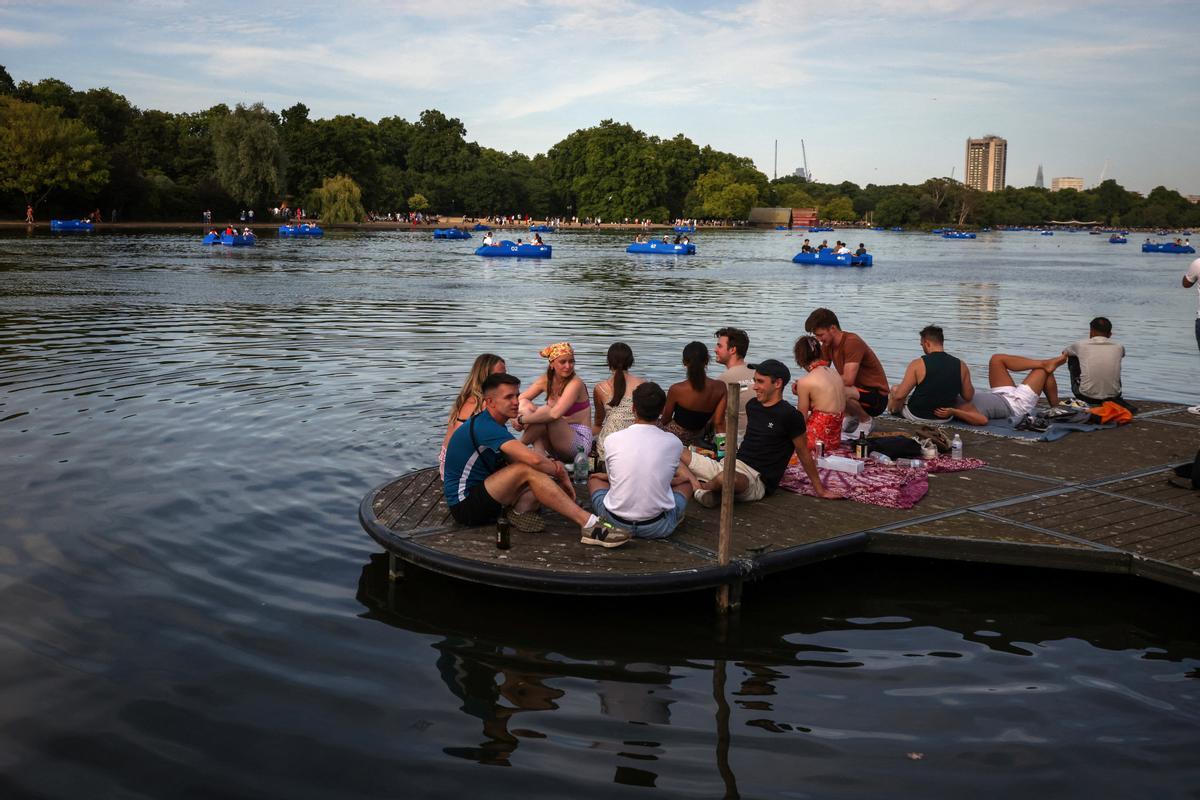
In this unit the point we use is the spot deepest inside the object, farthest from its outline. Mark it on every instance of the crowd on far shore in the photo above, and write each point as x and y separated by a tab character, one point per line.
505	455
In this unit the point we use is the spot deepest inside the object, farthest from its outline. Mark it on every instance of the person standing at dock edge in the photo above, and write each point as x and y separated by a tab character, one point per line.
774	430
731	349
1190	279
866	382
479	485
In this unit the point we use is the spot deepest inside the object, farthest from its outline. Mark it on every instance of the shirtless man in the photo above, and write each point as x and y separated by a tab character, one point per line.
862	373
820	395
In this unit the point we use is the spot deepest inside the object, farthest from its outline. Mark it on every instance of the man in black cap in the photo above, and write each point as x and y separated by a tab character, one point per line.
774	430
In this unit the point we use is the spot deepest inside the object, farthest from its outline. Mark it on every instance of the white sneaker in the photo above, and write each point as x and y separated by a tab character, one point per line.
707	498
849	429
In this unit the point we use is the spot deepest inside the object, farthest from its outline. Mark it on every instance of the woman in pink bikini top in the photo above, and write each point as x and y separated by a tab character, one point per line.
562	425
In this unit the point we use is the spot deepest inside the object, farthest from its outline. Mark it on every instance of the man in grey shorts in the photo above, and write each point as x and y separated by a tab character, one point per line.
1008	399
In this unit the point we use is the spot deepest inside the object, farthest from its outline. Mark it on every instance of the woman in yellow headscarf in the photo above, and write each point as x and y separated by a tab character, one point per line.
562	425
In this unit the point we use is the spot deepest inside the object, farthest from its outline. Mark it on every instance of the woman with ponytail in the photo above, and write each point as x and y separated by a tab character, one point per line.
614	397
563	425
693	403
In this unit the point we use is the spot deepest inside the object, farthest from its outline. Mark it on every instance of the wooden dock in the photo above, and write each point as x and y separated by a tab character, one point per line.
1099	501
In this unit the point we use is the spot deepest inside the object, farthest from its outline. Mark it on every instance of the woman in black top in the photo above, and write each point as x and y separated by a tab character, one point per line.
693	403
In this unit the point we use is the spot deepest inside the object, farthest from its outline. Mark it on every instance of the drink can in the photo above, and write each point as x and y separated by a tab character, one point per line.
503	542
719	443
820	448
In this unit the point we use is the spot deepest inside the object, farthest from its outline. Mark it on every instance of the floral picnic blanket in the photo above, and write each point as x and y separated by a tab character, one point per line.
879	485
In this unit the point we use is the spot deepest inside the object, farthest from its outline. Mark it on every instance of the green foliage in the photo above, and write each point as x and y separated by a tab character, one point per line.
839	209
7	87
418	202
339	200
248	155
721	195
793	195
41	152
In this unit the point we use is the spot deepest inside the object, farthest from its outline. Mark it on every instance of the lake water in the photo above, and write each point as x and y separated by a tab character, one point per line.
190	608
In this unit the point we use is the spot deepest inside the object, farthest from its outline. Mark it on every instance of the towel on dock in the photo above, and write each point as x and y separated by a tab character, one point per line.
1002	427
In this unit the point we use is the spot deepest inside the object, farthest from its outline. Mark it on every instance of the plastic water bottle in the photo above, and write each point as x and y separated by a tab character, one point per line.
882	458
910	463
956	447
579	473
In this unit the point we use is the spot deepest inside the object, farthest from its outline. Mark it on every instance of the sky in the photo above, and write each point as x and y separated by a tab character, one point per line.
885	91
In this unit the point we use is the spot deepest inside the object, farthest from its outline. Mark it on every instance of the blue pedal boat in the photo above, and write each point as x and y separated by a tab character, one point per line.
662	248
828	258
507	249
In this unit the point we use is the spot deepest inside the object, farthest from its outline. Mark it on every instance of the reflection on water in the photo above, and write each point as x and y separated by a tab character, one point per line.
835	686
185	433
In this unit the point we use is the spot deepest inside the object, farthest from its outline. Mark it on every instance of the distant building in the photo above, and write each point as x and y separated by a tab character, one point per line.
1058	184
772	216
987	163
1193	198
804	217
1039	182
801	173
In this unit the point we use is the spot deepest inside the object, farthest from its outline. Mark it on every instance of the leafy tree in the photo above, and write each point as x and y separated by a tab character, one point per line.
722	196
339	200
7	87
249	157
418	202
839	209
48	92
106	112
1112	200
898	207
793	195
40	152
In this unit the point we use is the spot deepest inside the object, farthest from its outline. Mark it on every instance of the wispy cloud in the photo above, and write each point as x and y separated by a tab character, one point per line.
15	38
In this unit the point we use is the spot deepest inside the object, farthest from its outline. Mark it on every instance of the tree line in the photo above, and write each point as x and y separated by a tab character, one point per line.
68	151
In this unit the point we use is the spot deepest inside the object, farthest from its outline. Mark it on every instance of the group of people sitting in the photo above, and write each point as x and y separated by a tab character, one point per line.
642	238
231	231
642	432
489	239
840	248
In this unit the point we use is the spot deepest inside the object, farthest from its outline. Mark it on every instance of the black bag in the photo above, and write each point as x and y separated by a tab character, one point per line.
1190	471
894	447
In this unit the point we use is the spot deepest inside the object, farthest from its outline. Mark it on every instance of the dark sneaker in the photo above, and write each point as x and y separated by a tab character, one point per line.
526	522
605	534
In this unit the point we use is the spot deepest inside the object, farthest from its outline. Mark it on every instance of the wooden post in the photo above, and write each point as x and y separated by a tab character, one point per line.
726	598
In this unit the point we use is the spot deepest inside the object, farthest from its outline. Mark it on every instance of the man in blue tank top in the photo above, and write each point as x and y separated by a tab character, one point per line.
935	380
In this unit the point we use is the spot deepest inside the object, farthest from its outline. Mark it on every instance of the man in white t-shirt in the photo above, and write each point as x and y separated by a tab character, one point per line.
645	487
732	345
1190	279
